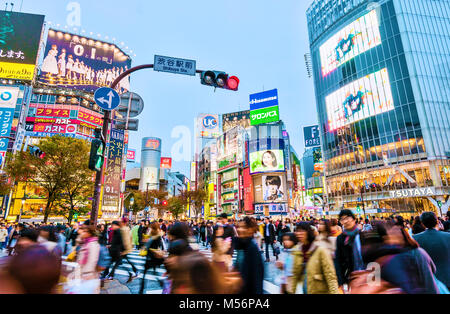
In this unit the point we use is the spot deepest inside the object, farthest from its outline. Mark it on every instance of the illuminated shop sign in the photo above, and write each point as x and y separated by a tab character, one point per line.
363	98
351	41
418	192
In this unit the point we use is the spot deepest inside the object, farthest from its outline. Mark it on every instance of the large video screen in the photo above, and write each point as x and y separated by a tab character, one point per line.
267	161
363	98
20	34
354	39
82	63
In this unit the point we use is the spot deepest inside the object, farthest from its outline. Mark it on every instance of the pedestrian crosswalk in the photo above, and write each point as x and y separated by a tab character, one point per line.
153	279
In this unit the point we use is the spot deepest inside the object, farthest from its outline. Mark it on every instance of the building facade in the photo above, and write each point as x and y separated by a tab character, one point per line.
381	82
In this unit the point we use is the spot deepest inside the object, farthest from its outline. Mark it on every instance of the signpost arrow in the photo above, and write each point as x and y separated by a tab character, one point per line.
107	98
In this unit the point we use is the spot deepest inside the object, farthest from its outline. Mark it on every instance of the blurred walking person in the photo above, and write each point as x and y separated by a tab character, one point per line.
437	245
249	262
87	258
286	263
313	265
154	257
403	267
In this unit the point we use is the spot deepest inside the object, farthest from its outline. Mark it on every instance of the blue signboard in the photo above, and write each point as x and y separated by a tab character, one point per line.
312	136
6	119
264	100
175	65
107	98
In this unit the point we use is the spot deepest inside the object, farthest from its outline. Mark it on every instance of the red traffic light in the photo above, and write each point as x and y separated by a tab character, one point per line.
164	203
233	83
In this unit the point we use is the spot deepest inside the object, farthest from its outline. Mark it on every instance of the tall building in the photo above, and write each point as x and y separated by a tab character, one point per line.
381	76
150	164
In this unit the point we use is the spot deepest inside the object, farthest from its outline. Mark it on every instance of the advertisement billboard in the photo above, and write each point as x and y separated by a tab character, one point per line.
113	174
230	148
166	163
267	161
131	155
248	191
82	63
231	120
274	188
208	125
351	41
312	136
264	107
8	100
271	209
19	44
363	98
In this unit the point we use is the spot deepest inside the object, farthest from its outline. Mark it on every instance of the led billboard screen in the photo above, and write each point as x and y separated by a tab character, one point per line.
352	40
363	98
82	63
19	43
267	161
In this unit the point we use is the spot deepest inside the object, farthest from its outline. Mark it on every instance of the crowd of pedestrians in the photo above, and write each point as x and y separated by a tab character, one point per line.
312	256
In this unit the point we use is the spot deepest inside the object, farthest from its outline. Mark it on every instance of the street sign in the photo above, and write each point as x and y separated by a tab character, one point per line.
175	65
137	105
107	98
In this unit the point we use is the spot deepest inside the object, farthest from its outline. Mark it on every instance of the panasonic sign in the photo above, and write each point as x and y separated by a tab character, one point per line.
264	107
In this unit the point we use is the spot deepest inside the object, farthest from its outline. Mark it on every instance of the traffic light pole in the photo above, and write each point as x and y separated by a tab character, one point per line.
105	128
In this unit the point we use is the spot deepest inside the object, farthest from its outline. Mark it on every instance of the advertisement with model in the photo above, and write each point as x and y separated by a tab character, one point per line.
82	63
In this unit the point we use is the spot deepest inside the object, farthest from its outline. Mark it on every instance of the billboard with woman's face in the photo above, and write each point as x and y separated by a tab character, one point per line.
267	161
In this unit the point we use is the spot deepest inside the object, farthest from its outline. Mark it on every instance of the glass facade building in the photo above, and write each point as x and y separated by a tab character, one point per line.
381	76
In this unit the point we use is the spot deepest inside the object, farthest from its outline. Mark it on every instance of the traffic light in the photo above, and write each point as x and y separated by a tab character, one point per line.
96	156
220	79
36	152
164	203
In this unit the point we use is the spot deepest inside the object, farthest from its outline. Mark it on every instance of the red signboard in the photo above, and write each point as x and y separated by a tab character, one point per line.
131	155
54	128
248	191
166	163
88	117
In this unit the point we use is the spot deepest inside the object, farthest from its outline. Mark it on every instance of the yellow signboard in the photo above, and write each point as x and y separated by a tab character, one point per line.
16	71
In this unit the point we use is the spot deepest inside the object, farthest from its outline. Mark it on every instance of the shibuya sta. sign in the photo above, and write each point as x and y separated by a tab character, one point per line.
418	192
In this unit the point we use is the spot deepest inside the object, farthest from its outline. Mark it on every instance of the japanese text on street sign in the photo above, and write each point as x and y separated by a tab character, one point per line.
175	65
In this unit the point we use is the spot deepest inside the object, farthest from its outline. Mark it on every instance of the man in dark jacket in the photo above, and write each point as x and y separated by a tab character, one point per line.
117	253
348	248
437	245
269	237
228	232
249	262
141	232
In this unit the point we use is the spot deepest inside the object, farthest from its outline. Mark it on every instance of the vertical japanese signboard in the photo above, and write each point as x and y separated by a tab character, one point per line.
8	99
113	175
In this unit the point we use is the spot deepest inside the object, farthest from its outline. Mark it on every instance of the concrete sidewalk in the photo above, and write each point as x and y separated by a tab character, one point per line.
114	287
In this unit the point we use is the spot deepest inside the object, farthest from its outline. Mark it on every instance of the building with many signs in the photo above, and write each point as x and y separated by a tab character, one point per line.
381	82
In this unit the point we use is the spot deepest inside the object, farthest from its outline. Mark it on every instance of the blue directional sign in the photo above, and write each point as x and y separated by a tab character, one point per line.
107	98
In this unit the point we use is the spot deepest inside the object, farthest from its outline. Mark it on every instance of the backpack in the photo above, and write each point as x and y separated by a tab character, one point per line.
104	259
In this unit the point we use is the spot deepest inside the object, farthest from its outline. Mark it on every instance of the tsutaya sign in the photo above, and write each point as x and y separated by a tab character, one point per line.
418	192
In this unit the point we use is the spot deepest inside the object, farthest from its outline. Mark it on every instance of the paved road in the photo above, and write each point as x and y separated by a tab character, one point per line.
153	285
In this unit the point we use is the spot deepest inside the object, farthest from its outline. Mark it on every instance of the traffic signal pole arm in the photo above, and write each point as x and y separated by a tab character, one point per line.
106	122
